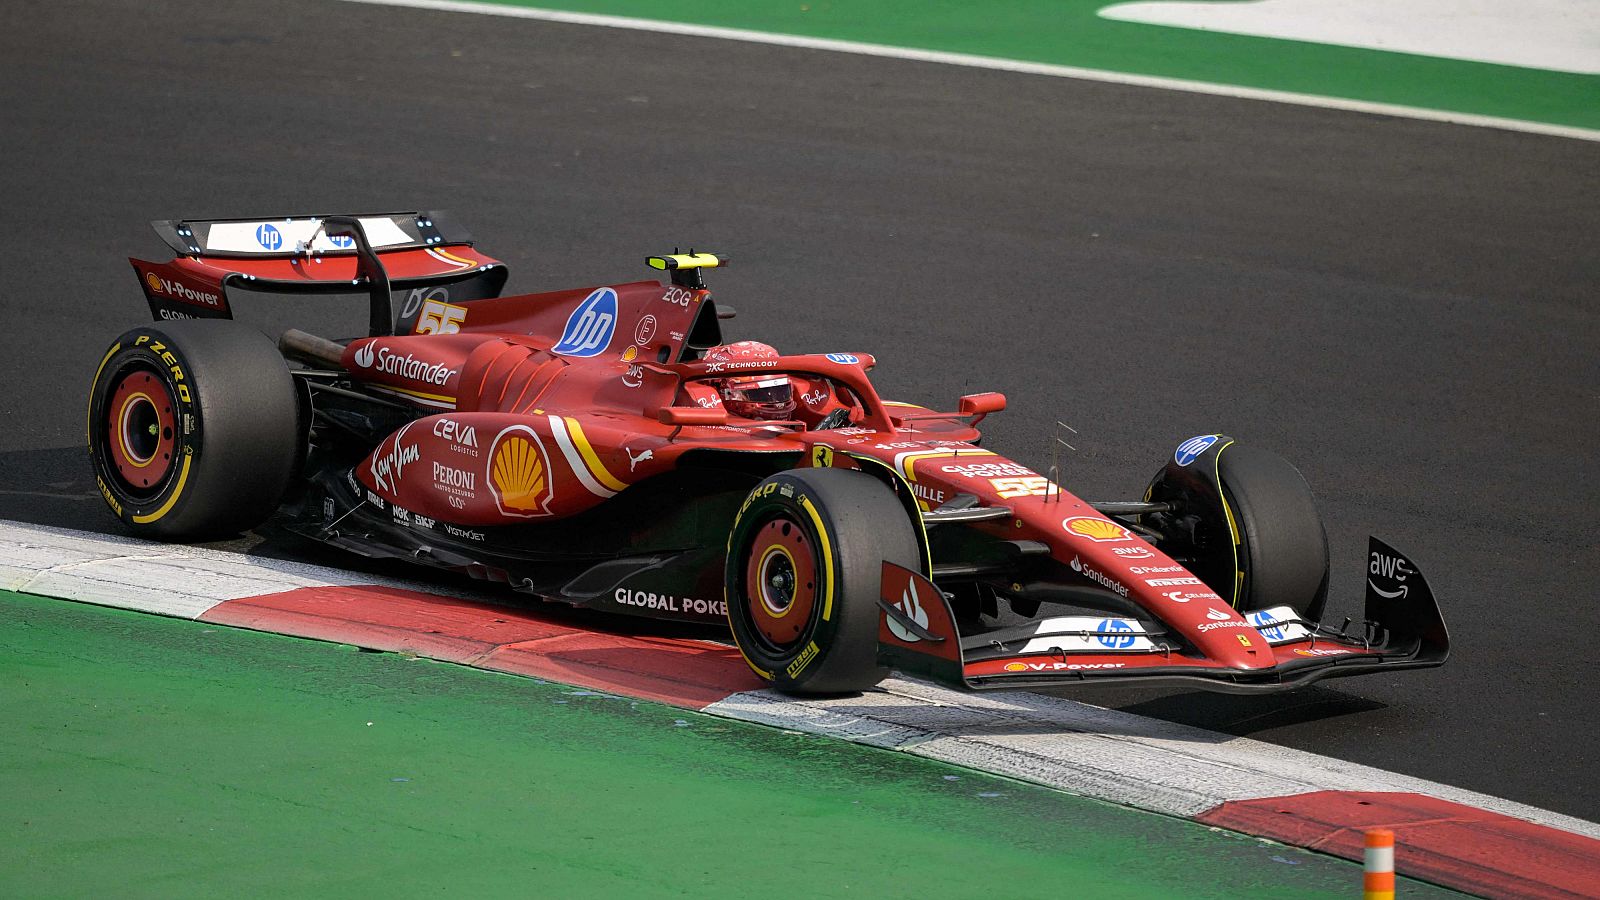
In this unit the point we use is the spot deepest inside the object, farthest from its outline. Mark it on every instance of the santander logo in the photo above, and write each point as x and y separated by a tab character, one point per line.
364	356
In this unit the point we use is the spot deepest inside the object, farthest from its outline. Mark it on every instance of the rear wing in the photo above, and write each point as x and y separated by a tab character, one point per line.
401	260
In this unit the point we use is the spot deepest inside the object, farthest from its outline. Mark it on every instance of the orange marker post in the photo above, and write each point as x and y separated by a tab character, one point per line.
1377	879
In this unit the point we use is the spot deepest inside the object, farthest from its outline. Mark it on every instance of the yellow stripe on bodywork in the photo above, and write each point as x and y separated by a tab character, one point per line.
452	257
827	555
907	461
183	478
591	461
441	398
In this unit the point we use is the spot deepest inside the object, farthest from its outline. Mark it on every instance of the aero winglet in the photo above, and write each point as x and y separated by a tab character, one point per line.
1400	600
916	628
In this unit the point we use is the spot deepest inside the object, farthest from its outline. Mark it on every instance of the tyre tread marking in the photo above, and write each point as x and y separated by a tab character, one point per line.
183	477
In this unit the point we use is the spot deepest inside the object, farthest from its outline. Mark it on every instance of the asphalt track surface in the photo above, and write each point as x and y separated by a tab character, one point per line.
1404	309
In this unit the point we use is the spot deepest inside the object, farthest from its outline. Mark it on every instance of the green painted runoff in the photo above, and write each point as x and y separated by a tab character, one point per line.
151	757
1069	33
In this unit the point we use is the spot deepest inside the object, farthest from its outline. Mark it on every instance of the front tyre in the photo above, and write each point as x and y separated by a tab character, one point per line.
193	429
805	561
1246	524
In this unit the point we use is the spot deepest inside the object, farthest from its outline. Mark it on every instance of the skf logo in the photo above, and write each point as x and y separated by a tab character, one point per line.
519	473
1101	531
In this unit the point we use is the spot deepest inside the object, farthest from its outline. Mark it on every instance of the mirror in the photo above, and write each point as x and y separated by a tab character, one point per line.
981	404
691	415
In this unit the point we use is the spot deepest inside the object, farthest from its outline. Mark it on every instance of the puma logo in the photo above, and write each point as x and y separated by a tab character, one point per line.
633	461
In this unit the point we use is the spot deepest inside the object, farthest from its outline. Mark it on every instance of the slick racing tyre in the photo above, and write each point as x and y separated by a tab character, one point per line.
193	429
1247	526
805	561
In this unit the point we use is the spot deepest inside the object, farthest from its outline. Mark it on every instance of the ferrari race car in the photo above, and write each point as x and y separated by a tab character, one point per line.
580	446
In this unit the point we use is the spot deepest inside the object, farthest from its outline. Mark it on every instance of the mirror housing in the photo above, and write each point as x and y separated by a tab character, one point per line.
691	415
981	405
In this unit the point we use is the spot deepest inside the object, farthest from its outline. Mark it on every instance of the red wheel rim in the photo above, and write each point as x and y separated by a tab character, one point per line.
781	581
141	429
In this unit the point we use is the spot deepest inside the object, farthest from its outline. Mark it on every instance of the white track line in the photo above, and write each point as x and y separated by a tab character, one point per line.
1115	756
989	62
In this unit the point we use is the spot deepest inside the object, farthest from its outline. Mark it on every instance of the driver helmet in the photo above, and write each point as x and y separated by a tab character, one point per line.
756	394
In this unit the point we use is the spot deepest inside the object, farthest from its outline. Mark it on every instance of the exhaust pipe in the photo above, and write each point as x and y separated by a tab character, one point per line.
310	349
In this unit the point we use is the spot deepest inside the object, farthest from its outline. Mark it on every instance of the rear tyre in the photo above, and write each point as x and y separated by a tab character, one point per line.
805	562
1271	551
193	429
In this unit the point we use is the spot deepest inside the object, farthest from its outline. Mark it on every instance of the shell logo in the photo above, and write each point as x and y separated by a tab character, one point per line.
1098	530
630	354
519	473
154	282
1016	667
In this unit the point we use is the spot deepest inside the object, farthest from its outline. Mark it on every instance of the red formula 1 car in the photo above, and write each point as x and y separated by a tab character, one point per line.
603	447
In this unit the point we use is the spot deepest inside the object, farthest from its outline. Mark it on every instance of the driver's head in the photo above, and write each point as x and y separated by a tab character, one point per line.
754	394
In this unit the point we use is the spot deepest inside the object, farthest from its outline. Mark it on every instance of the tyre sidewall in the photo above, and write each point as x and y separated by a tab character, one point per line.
861	524
237	428
146	348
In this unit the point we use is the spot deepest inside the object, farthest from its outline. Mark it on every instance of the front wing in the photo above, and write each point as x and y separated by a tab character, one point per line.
1403	629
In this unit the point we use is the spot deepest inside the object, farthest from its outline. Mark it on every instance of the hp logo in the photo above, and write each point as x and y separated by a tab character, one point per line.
1267	625
589	328
1115	633
269	237
1190	450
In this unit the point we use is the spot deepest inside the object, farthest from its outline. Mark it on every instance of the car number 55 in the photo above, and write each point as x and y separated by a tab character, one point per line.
438	317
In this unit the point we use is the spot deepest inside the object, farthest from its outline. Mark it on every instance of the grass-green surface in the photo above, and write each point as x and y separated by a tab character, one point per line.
150	757
1068	32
